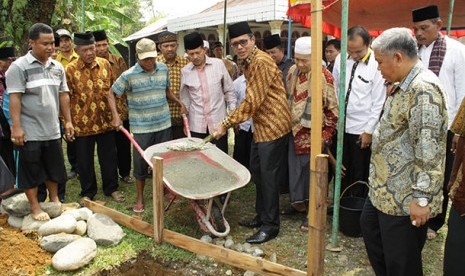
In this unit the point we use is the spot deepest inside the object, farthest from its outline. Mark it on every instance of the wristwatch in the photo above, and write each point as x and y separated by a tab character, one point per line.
422	202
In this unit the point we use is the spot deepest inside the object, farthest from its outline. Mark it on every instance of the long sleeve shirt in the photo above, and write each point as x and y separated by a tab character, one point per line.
367	96
204	93
452	74
240	85
409	145
265	99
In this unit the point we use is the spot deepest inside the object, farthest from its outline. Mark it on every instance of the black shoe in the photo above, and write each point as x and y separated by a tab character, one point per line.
253	223
262	236
71	175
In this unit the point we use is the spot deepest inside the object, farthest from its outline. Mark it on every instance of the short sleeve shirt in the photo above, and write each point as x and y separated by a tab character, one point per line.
146	93
40	85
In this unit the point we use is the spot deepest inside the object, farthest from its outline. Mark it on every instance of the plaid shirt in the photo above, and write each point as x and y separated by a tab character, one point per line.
89	87
174	70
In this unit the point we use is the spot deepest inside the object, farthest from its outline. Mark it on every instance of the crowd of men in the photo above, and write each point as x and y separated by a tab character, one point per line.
404	124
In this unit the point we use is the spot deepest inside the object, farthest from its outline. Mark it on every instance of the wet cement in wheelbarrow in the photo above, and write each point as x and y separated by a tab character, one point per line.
194	173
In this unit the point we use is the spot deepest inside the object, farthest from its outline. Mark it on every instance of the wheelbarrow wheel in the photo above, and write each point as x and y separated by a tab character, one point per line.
217	218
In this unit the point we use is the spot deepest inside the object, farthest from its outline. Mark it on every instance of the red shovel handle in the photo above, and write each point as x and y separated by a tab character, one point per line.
136	146
186	125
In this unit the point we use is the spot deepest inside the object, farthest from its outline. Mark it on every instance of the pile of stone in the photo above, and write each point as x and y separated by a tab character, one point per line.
71	235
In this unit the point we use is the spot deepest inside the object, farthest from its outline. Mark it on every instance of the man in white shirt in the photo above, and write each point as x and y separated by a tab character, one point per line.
446	58
365	95
206	88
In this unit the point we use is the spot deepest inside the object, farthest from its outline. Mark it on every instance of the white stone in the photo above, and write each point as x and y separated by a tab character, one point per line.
206	238
80	214
258	252
75	255
228	272
15	222
81	228
64	223
103	230
55	242
31	224
249	273
228	243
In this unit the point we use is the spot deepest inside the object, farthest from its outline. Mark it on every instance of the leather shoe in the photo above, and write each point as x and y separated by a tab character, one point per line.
253	223
262	236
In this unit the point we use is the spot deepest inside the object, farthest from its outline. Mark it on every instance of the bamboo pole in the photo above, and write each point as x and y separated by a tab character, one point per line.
314	253
340	124
317	220
449	18
158	210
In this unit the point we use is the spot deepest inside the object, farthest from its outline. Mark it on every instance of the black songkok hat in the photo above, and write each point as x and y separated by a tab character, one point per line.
100	35
271	41
239	29
57	39
166	36
86	38
7	52
425	13
217	44
193	41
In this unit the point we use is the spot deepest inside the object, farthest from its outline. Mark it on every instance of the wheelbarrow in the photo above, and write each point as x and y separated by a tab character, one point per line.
199	176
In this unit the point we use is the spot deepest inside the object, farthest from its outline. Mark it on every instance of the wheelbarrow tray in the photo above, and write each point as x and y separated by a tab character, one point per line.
199	174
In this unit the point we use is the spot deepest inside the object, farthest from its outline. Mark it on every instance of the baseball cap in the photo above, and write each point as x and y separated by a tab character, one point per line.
63	32
146	48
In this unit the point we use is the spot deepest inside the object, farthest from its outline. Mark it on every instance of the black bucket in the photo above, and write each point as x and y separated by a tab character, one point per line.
349	216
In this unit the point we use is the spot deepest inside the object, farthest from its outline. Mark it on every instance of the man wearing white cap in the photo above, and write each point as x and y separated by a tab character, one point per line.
299	98
147	87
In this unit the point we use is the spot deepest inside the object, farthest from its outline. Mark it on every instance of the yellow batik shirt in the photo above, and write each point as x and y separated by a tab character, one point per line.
409	146
265	99
89	86
174	71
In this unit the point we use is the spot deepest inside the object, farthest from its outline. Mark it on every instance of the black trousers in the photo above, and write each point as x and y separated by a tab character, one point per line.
106	152
454	259
242	144
123	151
71	153
268	169
393	244
357	163
222	144
177	131
438	221
6	152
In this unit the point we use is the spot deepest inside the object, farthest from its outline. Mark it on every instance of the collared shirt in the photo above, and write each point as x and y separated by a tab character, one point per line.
64	61
118	66
89	86
240	84
265	99
284	66
367	96
146	93
175	84
452	74
40	85
204	93
409	145
232	68
458	126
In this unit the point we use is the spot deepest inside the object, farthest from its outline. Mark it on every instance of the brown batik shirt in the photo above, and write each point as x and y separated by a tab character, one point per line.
89	86
174	71
118	66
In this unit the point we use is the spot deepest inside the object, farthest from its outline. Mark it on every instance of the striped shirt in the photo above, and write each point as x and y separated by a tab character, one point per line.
40	85
265	99
174	70
146	93
204	93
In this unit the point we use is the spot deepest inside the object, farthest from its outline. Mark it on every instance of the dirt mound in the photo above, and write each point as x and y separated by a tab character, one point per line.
20	252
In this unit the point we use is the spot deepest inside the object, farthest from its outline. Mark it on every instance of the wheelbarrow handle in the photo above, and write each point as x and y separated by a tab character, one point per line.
136	146
186	125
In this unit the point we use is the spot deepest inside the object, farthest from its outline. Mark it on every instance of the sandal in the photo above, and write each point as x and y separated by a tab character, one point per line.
127	179
304	226
82	202
138	208
289	211
118	196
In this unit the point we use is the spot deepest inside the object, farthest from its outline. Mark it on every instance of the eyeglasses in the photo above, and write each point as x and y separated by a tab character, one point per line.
242	42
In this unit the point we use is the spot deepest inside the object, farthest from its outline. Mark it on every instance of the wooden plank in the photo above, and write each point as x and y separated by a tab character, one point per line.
158	210
229	256
317	218
136	224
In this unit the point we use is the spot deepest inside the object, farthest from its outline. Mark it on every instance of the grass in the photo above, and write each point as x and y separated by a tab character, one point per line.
290	246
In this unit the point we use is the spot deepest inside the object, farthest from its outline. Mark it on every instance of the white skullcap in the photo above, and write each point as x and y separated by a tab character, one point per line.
206	44
303	45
